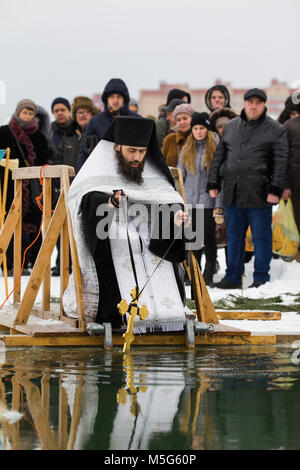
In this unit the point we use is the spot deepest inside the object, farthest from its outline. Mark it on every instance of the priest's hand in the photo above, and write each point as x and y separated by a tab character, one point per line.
182	217
115	199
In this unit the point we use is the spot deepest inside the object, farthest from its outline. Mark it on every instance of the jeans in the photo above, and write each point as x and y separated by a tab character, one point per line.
237	221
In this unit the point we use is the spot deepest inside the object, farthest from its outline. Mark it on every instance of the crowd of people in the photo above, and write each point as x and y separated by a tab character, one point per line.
238	166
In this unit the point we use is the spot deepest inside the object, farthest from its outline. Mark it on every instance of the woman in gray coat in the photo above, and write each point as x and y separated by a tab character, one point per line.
195	161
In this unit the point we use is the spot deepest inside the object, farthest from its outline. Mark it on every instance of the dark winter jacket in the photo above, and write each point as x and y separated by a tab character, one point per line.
293	132
67	153
251	160
56	134
100	123
43	153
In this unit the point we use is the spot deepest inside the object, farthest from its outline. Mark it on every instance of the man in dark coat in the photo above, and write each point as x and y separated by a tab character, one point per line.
116	100
251	161
128	158
61	110
293	132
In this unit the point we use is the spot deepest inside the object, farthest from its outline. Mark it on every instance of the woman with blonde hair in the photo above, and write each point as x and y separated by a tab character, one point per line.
173	143
194	161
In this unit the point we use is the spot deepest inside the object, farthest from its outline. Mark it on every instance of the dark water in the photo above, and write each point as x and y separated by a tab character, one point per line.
221	397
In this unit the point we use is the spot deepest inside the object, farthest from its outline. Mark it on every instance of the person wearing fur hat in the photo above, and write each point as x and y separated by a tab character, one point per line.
217	97
173	143
219	118
116	101
31	148
194	161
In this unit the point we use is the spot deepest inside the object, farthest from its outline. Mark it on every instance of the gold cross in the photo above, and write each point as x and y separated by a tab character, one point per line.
133	310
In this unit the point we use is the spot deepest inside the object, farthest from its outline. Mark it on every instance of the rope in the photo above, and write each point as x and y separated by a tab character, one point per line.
38	201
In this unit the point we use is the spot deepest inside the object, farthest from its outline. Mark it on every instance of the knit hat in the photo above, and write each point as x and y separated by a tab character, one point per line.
83	102
200	119
178	94
62	101
26	103
255	92
183	108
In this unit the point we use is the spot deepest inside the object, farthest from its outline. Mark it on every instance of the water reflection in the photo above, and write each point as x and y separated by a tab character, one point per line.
214	398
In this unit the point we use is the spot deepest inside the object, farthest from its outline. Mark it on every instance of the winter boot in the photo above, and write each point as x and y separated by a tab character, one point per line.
208	273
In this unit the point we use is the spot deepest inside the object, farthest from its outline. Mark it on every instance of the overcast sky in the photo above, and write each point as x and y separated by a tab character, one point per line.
70	47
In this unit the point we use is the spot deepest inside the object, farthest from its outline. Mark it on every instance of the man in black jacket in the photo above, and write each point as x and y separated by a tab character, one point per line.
116	100
251	162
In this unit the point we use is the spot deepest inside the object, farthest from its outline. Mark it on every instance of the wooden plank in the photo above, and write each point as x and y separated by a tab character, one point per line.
48	330
42	262
51	171
27	341
147	340
249	315
64	252
18	244
234	339
75	260
209	309
47	193
64	265
223	330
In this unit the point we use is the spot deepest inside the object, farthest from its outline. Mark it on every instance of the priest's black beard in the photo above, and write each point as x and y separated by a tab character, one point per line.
130	173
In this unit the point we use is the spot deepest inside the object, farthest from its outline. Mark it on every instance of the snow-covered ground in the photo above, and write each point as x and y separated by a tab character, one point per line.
285	280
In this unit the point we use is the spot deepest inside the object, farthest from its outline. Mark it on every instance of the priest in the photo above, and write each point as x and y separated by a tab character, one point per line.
128	222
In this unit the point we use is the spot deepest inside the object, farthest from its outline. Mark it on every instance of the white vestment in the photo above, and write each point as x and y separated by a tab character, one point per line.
161	295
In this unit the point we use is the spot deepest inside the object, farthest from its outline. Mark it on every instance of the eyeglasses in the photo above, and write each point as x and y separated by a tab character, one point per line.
27	113
83	113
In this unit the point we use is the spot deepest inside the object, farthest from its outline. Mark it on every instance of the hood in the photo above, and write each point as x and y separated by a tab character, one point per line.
218	113
223	89
44	121
115	85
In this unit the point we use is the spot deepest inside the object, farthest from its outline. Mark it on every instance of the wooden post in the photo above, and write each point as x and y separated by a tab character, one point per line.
18	242
75	260
42	262
46	222
204	306
64	257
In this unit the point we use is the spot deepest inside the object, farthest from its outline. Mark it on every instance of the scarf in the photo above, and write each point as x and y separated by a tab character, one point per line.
21	133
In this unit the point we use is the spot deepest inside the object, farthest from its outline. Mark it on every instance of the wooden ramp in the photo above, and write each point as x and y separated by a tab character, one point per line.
26	324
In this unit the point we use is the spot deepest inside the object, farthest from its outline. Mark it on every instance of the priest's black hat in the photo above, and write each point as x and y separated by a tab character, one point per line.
130	130
137	131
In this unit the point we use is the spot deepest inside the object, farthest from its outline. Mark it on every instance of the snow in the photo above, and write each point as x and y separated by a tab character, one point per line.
285	280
